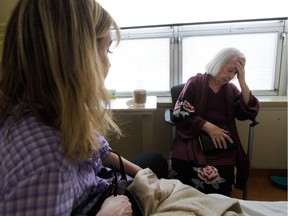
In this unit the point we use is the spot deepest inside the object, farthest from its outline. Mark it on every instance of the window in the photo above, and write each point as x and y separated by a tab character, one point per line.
160	57
140	63
259	50
258	41
141	60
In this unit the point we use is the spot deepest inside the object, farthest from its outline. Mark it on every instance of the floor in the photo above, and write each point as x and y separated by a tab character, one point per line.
261	188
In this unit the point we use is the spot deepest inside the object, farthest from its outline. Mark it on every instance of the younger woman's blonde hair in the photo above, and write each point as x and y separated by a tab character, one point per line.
50	59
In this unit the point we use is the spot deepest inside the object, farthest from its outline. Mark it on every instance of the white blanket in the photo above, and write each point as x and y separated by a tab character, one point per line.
260	208
169	197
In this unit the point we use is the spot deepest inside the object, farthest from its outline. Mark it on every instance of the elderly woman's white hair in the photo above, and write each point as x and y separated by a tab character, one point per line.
221	58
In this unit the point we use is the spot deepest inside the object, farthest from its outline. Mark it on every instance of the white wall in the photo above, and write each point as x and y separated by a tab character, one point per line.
151	12
148	12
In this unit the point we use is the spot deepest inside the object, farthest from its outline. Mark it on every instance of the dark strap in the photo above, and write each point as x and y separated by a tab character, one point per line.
122	184
122	189
116	188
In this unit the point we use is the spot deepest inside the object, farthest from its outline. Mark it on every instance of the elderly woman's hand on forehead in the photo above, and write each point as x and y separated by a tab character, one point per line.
240	65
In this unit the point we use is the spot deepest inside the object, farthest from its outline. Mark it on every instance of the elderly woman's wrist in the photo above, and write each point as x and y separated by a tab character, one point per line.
206	126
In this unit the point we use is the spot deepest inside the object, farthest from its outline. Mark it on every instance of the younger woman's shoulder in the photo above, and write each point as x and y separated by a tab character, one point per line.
33	145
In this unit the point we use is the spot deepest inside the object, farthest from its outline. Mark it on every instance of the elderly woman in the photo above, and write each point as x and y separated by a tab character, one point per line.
206	101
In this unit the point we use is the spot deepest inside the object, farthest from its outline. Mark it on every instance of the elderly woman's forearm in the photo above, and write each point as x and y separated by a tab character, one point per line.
245	92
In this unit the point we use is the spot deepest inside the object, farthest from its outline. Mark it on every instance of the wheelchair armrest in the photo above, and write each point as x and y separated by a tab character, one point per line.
254	122
169	117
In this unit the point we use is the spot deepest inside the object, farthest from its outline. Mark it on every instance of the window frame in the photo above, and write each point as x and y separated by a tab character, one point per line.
148	33
176	33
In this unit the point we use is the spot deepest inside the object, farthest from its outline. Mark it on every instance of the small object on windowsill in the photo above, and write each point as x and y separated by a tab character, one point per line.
279	181
112	93
139	96
131	104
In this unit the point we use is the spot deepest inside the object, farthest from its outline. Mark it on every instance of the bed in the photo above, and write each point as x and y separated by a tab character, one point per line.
259	208
170	197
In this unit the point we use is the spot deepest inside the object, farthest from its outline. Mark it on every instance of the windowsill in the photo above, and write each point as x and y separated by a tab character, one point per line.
265	101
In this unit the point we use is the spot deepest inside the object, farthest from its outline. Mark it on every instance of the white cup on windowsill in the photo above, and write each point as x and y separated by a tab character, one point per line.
139	96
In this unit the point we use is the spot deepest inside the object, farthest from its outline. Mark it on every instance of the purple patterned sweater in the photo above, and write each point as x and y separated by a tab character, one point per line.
36	178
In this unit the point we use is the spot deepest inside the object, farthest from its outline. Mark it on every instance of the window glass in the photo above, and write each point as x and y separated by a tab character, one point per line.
139	63
260	50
